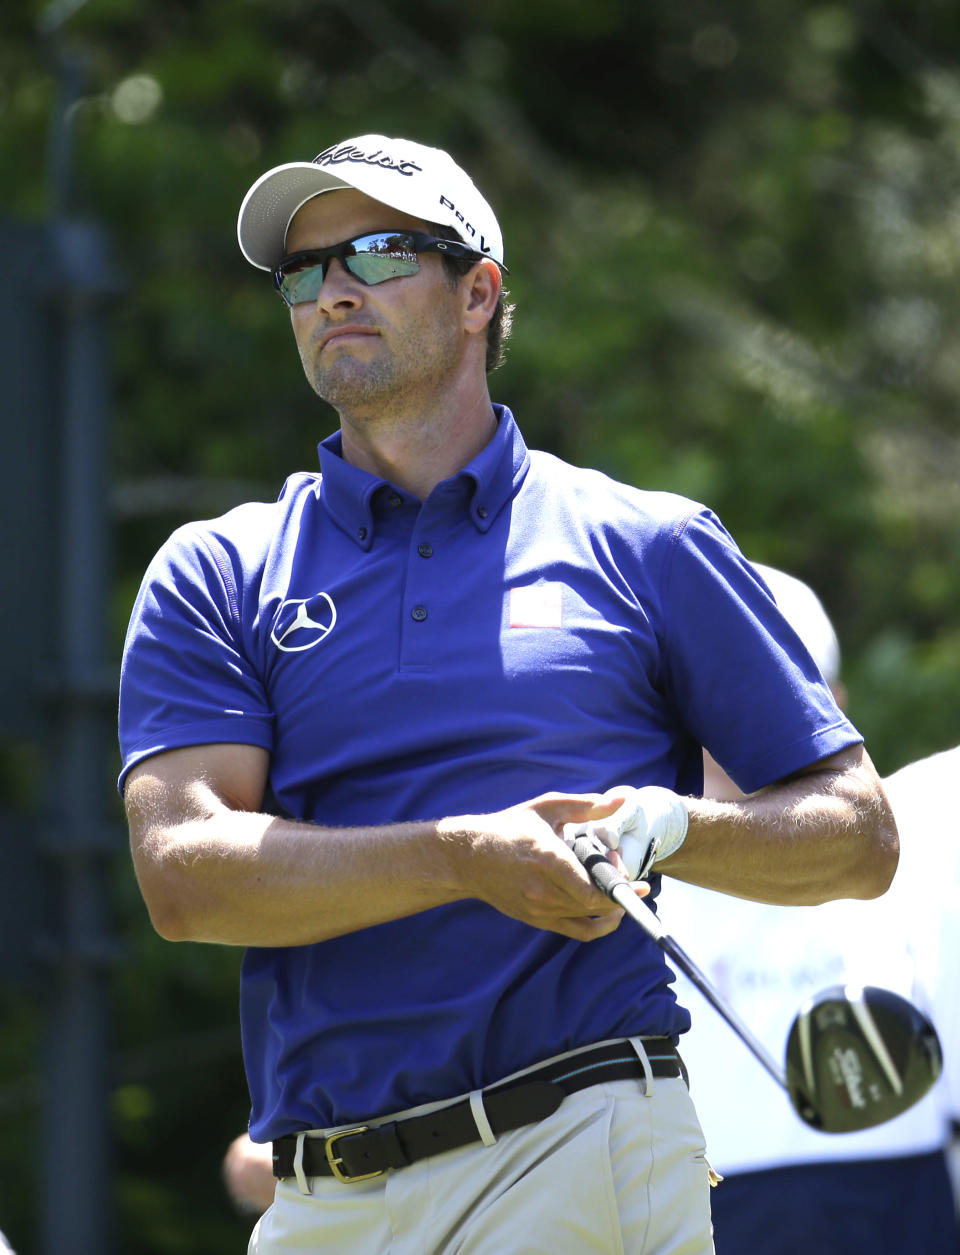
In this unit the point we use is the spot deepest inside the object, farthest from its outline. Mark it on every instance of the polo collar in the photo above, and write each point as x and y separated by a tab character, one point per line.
485	484
347	491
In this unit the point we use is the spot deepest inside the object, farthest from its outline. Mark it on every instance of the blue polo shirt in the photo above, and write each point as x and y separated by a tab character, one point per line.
531	626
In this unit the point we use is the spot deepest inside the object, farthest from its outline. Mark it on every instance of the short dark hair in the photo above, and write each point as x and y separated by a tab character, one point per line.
501	323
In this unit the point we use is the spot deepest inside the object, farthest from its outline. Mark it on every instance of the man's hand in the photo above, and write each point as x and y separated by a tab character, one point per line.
516	861
648	824
248	1175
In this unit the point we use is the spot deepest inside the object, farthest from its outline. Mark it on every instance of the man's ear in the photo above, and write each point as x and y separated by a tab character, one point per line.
482	287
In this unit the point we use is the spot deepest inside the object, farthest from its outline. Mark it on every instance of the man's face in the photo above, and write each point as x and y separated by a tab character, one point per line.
373	347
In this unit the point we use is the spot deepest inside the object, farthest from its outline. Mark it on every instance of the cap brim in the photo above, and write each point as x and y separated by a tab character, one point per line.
270	204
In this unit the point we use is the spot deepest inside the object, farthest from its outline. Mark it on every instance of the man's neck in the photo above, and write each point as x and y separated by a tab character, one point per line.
417	449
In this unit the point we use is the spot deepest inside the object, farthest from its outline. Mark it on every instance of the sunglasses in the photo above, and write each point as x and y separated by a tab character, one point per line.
370	258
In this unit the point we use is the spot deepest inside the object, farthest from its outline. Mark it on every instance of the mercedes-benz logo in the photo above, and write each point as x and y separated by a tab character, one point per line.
302	623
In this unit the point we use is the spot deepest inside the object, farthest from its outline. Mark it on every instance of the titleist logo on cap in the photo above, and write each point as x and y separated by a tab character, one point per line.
340	153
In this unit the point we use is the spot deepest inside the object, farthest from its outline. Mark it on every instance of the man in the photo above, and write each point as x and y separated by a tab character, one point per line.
787	1189
888	1185
355	722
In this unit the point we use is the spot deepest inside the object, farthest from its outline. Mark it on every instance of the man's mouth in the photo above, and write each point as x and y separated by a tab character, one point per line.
339	334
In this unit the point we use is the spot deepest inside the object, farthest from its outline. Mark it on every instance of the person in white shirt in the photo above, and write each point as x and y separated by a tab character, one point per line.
788	1189
923	796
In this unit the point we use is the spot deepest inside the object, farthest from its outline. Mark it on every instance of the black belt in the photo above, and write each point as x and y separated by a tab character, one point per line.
360	1153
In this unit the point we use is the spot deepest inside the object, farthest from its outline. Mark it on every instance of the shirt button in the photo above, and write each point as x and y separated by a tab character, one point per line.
419	613
425	550
481	511
395	499
362	533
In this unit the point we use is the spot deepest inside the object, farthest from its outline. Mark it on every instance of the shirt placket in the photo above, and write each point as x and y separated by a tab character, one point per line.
433	557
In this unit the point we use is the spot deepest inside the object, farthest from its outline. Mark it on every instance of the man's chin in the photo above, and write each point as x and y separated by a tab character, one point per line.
346	385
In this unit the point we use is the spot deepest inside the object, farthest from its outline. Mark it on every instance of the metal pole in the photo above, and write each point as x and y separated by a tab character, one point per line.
76	1143
75	1149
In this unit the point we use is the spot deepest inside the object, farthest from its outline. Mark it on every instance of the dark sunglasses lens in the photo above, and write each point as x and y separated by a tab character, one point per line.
376	258
369	258
301	282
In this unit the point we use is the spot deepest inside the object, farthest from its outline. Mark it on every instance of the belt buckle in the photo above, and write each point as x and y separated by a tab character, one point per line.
335	1161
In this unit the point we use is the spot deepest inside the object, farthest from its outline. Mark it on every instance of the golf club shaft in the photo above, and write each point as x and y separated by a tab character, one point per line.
606	877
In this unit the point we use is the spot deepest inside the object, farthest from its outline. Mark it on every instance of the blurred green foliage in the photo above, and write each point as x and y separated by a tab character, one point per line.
734	241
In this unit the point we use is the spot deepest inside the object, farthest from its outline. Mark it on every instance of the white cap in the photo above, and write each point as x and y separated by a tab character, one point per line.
423	182
803	610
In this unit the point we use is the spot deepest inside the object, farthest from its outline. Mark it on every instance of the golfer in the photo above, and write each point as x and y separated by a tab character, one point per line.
356	720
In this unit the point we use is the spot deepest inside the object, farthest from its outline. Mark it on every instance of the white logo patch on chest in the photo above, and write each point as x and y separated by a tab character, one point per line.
537	605
302	623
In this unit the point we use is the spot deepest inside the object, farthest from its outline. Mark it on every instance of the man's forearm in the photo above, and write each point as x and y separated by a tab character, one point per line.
238	878
826	834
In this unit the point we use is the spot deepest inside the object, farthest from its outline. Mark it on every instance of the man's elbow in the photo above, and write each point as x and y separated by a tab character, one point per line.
166	902
169	923
879	859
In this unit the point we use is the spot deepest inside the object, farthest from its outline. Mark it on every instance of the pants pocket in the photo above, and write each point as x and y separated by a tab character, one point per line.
548	1189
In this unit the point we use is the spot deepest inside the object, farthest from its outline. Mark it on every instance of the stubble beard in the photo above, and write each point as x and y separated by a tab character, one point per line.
348	385
394	377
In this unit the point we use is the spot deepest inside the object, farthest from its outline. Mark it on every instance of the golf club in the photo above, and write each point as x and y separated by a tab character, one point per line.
855	1057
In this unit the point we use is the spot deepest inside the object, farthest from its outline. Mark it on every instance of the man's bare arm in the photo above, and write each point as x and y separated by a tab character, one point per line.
212	867
827	832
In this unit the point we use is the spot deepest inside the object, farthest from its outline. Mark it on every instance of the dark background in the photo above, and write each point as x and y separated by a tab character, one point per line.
734	241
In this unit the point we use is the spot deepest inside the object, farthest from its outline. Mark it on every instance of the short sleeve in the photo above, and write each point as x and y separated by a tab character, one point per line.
186	678
741	678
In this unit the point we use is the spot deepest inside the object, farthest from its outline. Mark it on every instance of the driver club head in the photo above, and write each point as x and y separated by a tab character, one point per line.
859	1056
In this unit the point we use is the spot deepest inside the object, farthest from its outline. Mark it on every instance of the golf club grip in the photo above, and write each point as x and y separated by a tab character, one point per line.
602	872
615	885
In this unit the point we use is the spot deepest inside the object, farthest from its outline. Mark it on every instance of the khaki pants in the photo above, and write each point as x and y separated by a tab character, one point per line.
613	1171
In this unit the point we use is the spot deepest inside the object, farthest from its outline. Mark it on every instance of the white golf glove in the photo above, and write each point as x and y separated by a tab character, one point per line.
650	825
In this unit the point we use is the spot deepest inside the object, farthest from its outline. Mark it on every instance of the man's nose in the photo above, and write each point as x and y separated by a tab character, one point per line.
339	288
